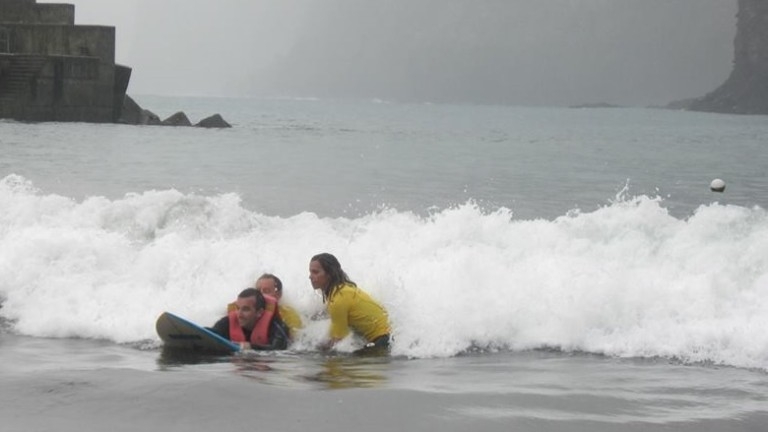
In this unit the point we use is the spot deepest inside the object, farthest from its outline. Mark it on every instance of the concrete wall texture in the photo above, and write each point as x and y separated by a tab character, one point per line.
32	13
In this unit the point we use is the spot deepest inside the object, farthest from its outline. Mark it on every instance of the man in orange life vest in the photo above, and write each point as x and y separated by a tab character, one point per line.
255	324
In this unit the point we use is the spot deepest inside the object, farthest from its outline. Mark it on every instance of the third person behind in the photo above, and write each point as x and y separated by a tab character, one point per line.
271	285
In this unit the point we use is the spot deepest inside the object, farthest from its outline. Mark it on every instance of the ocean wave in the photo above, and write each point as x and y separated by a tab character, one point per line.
627	279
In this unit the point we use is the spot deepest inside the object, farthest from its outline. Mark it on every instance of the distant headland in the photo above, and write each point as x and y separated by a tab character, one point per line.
54	70
746	89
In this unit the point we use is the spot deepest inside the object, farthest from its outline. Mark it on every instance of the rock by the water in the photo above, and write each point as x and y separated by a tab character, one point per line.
746	89
149	118
131	113
135	115
214	121
177	119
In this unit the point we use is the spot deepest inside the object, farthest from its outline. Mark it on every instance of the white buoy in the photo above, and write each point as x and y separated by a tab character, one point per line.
717	185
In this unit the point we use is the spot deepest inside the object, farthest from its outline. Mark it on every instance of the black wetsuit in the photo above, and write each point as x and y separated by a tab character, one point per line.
377	347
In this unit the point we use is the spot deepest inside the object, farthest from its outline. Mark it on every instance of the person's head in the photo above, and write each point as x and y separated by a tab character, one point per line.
250	307
325	273
270	285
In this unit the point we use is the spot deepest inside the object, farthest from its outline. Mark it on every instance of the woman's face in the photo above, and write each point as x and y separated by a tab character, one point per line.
268	286
318	276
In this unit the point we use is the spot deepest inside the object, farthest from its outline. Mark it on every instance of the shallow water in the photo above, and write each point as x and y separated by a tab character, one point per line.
539	390
544	269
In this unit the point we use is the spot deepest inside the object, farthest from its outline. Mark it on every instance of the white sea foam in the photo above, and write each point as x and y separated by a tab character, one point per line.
626	280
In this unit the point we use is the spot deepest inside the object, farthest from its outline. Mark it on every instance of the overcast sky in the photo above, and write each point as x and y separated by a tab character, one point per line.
521	52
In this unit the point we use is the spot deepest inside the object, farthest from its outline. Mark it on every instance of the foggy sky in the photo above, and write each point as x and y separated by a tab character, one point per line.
520	52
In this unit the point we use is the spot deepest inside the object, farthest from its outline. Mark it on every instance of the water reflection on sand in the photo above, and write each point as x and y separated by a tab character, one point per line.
314	370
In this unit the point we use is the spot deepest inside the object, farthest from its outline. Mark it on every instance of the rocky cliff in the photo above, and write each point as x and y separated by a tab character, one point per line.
746	90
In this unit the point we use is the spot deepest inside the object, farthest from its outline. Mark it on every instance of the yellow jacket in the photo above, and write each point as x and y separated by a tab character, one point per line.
351	308
291	318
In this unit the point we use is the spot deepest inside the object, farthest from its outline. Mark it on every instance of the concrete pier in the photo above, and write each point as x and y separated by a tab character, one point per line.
54	70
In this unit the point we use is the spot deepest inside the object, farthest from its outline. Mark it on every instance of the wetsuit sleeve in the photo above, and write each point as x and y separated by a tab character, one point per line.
278	336
221	328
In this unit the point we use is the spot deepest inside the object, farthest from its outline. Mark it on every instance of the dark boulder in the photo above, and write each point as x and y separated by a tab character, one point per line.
214	121
131	113
149	118
135	115
178	119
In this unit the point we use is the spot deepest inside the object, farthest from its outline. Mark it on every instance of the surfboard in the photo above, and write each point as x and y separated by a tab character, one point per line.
178	333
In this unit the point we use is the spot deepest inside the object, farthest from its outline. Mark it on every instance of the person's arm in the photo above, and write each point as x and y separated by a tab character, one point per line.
339	313
221	328
278	336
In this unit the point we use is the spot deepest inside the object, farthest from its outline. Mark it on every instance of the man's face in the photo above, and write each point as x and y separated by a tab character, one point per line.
247	315
268	287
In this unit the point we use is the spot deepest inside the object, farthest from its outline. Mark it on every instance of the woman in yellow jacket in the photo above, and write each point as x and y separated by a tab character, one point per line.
350	308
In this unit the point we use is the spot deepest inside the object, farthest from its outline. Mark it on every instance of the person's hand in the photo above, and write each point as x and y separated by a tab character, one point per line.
325	346
245	345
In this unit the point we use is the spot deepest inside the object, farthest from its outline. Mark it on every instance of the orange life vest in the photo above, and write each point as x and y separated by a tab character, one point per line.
260	333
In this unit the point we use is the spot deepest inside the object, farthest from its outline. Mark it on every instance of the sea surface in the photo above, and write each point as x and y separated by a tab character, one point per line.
545	269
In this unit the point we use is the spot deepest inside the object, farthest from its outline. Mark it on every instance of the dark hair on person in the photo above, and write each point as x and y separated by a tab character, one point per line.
261	303
332	268
278	282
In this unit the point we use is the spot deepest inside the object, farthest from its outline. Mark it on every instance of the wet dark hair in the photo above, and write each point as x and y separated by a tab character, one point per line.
332	268
253	292
278	282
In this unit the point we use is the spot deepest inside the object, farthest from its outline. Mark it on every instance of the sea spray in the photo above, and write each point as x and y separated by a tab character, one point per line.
627	279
